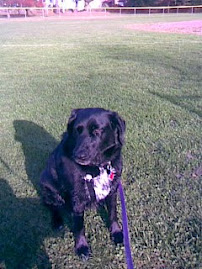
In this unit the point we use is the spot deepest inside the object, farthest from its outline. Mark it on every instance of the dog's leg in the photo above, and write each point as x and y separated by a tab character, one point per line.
81	245
114	228
57	221
52	199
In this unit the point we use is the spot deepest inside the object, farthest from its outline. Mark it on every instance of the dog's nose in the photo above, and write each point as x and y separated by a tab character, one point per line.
81	155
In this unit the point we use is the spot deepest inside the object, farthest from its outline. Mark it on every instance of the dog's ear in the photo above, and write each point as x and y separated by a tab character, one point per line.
119	127
72	119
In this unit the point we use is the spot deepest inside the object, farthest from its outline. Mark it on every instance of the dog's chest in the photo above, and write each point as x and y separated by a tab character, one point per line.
101	184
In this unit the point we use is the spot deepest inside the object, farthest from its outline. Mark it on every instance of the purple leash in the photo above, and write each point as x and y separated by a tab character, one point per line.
128	254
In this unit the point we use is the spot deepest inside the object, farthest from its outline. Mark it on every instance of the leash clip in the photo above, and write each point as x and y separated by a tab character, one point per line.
88	177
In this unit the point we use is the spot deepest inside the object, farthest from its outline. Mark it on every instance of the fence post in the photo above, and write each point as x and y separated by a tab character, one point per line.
46	13
8	14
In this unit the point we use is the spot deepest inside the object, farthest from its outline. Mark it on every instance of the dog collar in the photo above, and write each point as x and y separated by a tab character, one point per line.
102	182
109	169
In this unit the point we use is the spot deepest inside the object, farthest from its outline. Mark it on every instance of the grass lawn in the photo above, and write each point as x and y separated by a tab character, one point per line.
154	80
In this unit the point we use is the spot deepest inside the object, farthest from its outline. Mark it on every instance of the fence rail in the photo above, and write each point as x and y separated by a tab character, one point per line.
45	12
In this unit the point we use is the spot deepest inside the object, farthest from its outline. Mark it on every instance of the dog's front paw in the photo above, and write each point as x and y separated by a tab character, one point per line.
83	252
116	233
82	249
117	237
57	224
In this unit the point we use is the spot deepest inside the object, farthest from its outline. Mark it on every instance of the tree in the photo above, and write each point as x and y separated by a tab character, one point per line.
23	3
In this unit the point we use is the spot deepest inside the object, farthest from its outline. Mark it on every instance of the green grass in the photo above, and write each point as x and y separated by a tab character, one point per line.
154	81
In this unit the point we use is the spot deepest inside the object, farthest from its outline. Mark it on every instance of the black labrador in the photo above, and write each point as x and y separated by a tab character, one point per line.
85	170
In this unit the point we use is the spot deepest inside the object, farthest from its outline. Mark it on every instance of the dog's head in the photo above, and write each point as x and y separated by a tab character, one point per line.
95	135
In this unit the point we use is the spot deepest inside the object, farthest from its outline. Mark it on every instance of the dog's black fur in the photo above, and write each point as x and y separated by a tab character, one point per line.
94	137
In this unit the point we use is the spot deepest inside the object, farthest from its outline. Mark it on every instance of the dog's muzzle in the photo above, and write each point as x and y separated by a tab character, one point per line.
81	157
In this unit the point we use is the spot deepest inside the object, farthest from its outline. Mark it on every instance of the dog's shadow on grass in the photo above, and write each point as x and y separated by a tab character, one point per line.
24	221
22	231
37	144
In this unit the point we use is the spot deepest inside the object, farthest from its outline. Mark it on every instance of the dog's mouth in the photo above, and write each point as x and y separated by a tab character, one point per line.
86	160
83	162
82	158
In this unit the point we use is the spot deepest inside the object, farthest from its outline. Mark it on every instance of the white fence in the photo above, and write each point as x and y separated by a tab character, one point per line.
46	12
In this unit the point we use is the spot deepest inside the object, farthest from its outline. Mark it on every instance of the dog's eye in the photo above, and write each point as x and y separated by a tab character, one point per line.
96	132
79	129
92	128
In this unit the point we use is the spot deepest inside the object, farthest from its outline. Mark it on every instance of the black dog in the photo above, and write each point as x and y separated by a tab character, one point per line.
85	169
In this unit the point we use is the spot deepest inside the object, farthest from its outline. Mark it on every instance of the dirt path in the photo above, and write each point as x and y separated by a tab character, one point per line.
184	27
